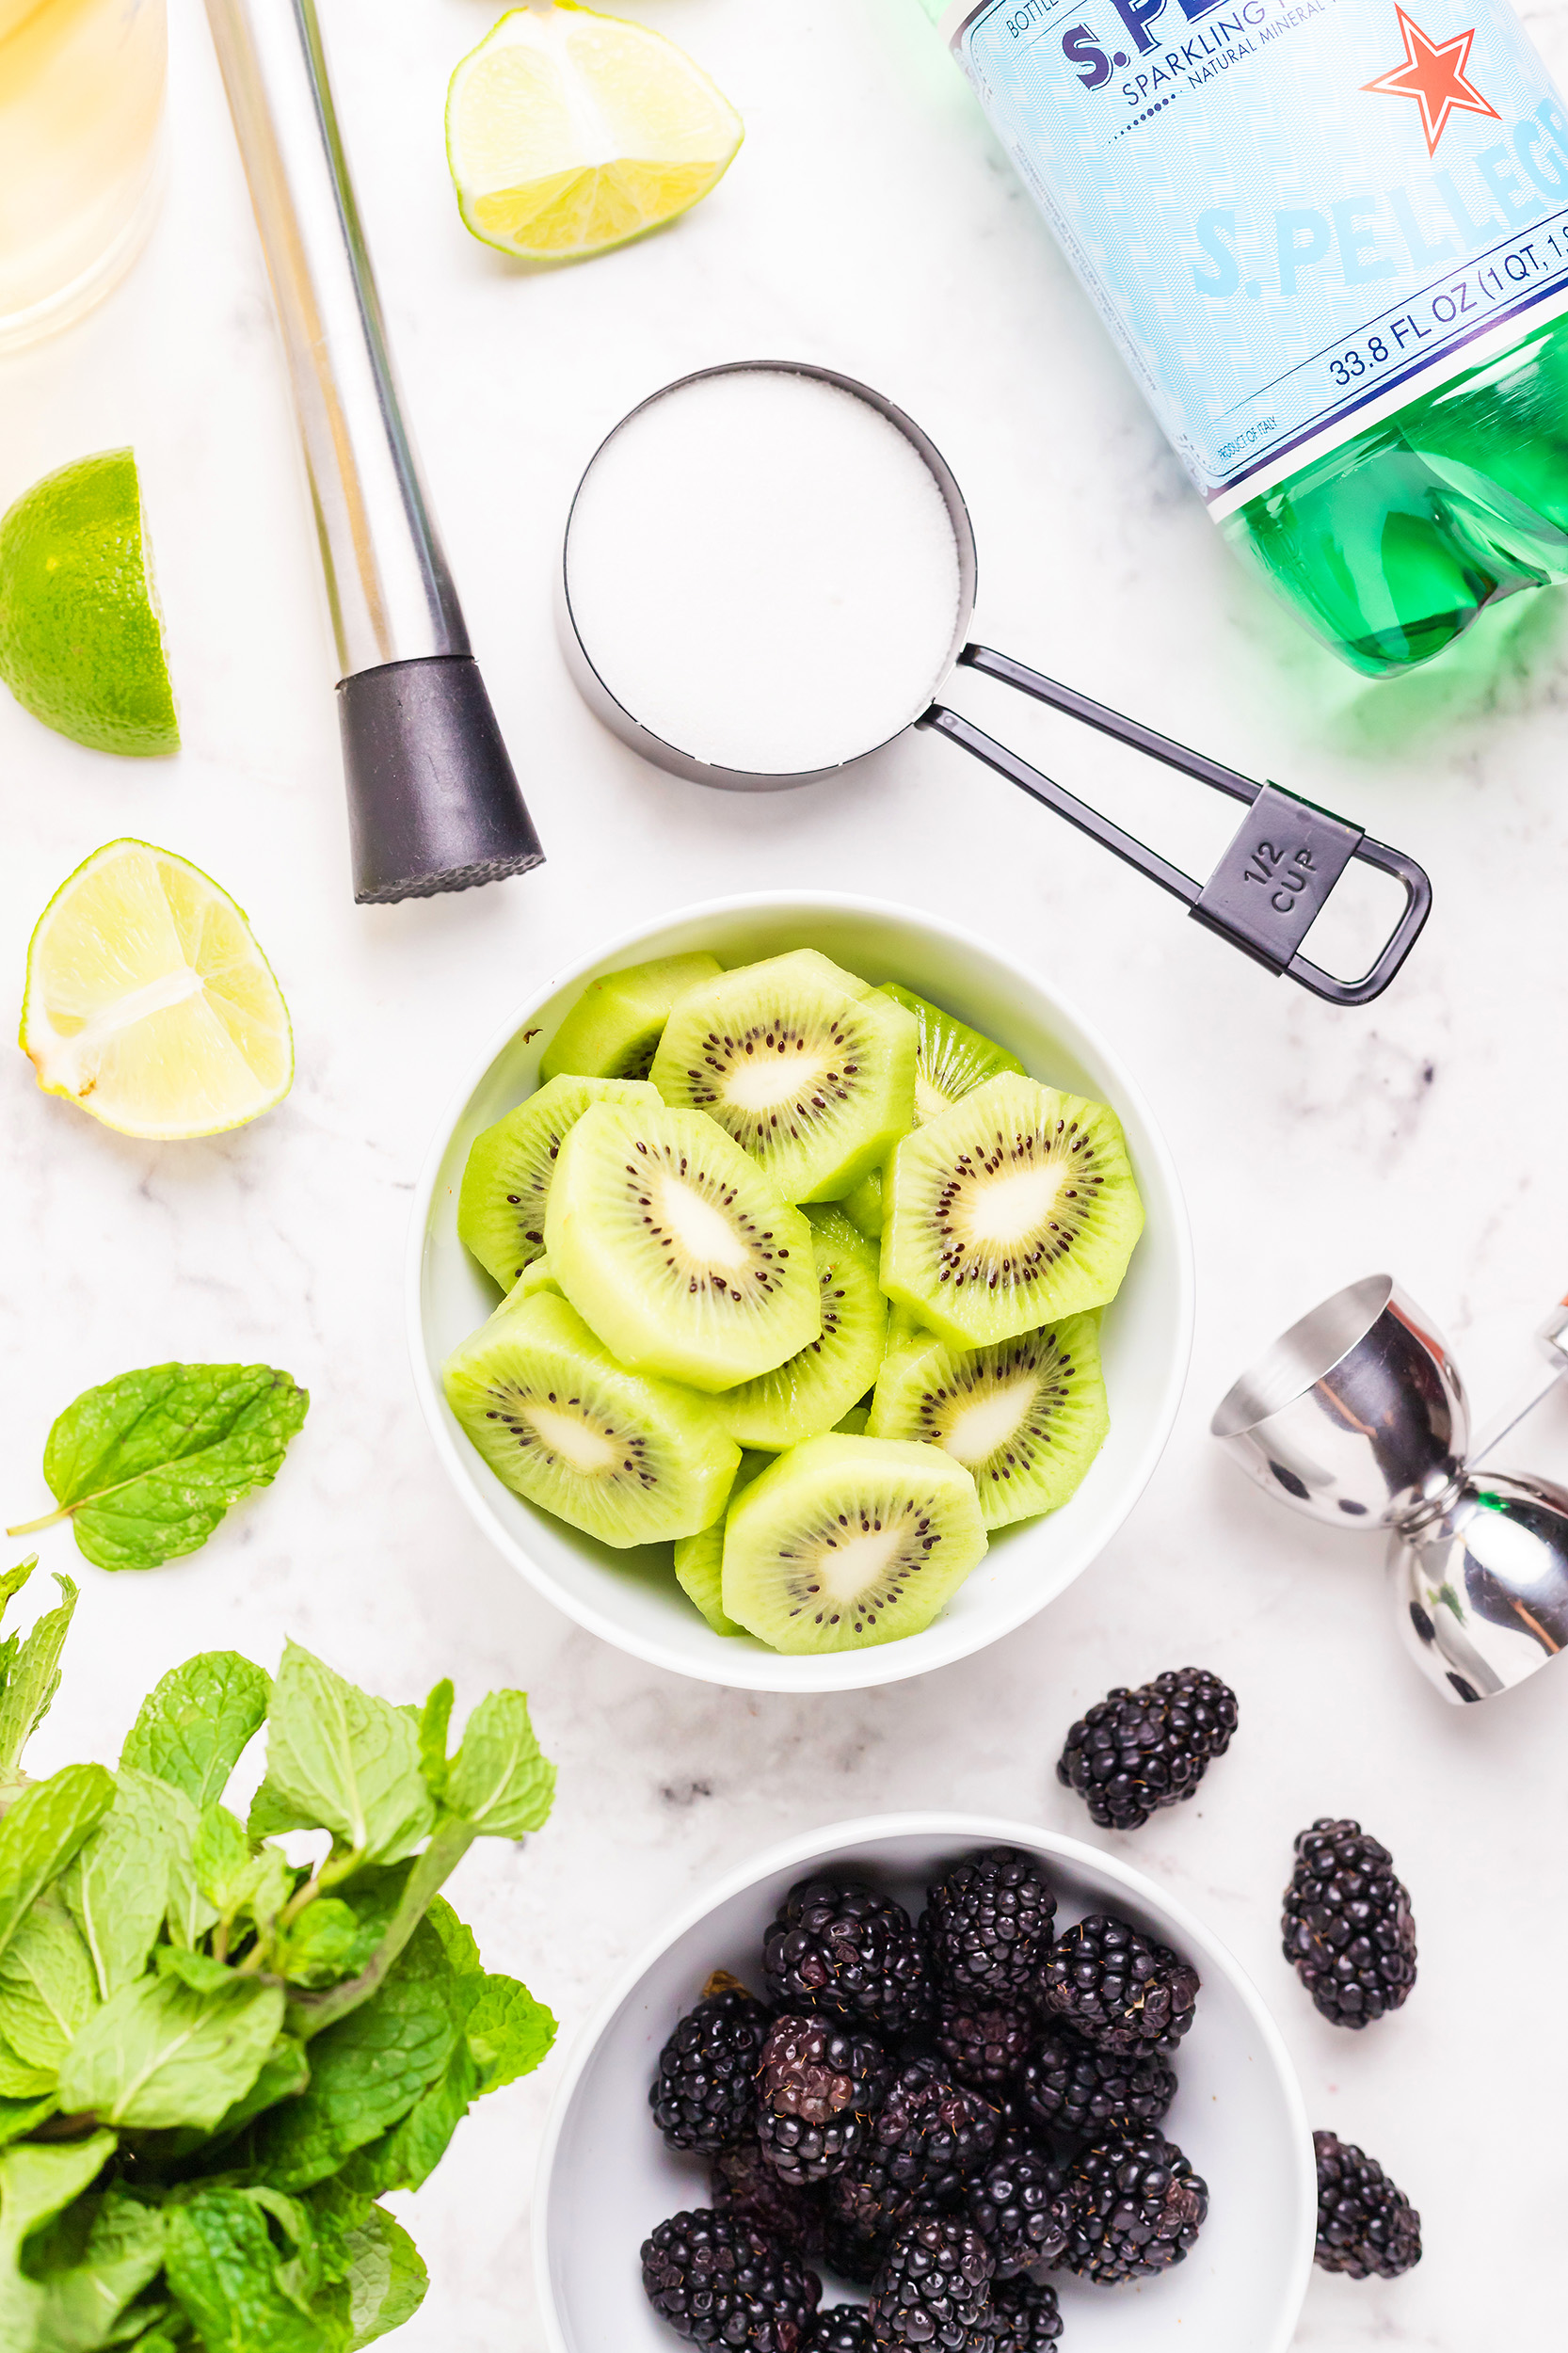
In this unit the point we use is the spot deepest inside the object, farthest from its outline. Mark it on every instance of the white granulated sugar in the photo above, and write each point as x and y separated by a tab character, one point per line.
763	571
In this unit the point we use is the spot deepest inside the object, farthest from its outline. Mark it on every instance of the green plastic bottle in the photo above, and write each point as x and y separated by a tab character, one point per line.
1332	242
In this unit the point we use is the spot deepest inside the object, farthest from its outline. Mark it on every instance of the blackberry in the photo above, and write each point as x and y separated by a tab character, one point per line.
745	2184
851	2254
868	2202
840	1948
984	2042
1013	2204
705	2093
934	2292
987	1925
843	2328
1025	2317
1066	2085
933	2132
1137	1750
719	2282
1130	2206
1348	1927
1366	2227
1117	1990
817	2085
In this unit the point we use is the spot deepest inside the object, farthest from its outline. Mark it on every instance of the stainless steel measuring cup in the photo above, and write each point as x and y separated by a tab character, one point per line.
1269	887
1358	1418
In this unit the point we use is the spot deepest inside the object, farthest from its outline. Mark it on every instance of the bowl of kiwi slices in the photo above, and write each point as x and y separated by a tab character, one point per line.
891	2086
800	1293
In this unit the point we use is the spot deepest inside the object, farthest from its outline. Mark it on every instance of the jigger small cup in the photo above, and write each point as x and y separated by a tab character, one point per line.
1358	1418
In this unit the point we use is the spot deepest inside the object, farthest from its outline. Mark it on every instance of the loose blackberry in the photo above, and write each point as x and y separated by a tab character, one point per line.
1066	2085
873	2197
932	2131
1025	2317
705	2093
1348	1931
818	2086
743	2185
987	1925
934	2292
1137	1750
984	2042
1130	2206
1366	2226
1013	2204
843	2328
1117	1989
719	2282
840	1947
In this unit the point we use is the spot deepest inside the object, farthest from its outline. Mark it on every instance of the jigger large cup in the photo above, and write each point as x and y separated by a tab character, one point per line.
1358	1418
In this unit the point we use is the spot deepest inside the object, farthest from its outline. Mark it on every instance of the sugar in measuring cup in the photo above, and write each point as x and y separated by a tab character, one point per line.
770	572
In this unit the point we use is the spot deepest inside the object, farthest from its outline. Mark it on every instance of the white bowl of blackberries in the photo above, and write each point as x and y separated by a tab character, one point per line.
937	2083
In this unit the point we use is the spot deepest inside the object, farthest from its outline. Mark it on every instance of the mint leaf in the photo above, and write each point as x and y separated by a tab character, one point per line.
367	2068
158	2053
47	1987
386	2279
193	1726
341	1760
229	2278
36	2182
42	1830
406	2156
20	2079
320	1946
147	1465
498	1782
18	2116
32	1678
457	1939
116	1888
508	2032
189	1915
226	1869
121	2253
433	1720
200	1971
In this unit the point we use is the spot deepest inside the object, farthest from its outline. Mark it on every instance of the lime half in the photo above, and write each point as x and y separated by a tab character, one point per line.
149	1002
80	642
569	132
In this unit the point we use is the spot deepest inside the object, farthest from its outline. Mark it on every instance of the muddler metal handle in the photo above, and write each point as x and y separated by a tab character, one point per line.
433	801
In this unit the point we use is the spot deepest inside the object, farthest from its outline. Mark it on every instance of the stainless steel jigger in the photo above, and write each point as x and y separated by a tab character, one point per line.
433	803
1358	1418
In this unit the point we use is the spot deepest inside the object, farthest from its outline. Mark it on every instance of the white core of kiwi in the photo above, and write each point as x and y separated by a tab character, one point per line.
838	1570
983	1425
1001	1211
703	1238
768	1081
578	1443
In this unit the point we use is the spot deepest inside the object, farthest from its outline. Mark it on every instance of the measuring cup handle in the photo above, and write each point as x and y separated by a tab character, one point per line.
1277	875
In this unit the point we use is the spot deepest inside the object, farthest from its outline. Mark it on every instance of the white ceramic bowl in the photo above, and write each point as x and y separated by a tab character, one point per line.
631	1598
606	2179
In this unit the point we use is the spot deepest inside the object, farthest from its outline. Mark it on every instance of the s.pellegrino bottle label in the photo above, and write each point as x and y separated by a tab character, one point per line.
1294	215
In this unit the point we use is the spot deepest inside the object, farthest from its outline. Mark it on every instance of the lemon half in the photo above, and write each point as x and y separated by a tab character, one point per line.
569	132
149	1002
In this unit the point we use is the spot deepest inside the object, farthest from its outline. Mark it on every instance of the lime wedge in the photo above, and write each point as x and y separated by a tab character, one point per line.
569	132
149	1002
80	642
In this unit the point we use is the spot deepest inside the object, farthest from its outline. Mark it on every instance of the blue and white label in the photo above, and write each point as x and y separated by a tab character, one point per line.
1294	215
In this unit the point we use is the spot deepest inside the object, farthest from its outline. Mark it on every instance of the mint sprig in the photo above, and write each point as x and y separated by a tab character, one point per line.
213	2061
144	1467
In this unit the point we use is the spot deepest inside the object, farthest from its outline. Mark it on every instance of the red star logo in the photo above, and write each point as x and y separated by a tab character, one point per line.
1434	75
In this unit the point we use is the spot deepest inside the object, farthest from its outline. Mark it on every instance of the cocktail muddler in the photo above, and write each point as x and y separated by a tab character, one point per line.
433	802
1358	1418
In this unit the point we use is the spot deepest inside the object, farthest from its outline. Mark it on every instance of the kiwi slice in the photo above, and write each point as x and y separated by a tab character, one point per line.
699	1559
613	1031
845	1542
853	1424
1026	1418
864	1206
536	1276
626	1458
952	1059
506	1181
672	1245
808	1394
1014	1210
815	1084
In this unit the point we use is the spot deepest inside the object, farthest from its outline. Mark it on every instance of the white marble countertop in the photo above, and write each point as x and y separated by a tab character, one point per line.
869	224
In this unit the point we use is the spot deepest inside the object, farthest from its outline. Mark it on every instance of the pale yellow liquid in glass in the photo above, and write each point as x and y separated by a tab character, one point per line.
81	101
